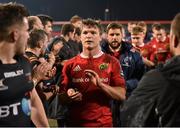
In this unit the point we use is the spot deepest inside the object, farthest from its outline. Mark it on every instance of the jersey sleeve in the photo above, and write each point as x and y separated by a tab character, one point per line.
32	59
27	71
117	78
65	77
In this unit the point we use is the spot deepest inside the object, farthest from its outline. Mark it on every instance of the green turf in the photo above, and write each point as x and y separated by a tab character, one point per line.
52	123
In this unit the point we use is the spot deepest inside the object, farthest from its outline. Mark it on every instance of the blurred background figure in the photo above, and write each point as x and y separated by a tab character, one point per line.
47	23
34	23
157	50
147	34
130	26
76	21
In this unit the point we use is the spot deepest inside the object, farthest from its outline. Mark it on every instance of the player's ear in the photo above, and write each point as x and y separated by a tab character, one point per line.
13	36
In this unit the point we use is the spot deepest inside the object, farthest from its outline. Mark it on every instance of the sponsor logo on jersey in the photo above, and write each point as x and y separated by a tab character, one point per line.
134	49
13	109
26	106
13	74
81	80
6	110
77	68
126	61
103	66
2	86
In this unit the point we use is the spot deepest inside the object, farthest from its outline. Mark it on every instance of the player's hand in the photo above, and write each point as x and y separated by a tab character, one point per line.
74	95
40	71
51	59
51	72
94	77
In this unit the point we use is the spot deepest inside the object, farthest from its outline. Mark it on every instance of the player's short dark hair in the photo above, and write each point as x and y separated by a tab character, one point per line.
141	24
32	20
45	18
136	30
157	26
54	41
66	28
77	31
11	14
114	26
75	18
92	23
35	36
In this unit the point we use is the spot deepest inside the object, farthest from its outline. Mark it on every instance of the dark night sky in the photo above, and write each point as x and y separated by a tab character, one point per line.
62	10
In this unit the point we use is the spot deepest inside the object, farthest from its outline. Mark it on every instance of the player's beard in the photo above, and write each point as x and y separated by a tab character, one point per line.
114	44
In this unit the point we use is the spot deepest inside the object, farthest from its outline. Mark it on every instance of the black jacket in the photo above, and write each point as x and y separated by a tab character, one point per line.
168	104
156	100
131	63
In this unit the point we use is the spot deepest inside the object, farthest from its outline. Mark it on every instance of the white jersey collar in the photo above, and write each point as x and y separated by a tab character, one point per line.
95	56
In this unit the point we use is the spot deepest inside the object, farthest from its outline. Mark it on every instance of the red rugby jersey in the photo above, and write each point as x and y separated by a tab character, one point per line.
158	51
95	103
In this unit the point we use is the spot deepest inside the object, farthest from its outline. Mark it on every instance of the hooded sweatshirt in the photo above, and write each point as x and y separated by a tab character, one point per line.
156	100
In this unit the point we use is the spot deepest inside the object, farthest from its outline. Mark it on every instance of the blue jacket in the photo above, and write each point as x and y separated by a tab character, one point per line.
131	63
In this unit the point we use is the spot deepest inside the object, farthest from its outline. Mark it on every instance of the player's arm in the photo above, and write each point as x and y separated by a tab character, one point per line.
38	115
145	53
148	62
117	93
67	92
